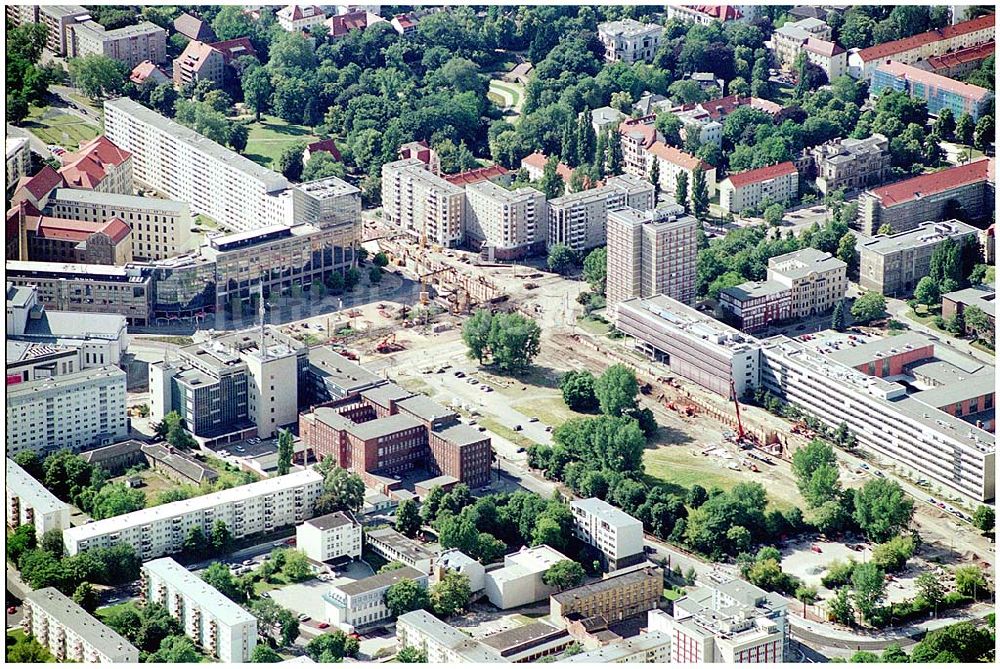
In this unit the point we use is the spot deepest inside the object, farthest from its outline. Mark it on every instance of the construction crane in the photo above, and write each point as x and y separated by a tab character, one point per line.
740	432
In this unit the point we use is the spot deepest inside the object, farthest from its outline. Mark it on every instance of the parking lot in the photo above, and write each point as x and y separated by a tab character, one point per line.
307	597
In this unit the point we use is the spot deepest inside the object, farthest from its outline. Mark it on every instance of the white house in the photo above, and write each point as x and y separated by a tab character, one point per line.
519	581
329	537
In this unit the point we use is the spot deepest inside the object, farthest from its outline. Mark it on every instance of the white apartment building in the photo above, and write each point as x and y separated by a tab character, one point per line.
423	204
75	411
673	162
816	279
30	503
580	220
249	509
184	165
646	648
699	120
732	623
789	39
512	223
827	56
295	18
361	603
519	581
18	159
397	547
130	44
443	643
219	626
651	252
160	228
949	451
329	537
629	41
70	633
612	531
774	184
455	560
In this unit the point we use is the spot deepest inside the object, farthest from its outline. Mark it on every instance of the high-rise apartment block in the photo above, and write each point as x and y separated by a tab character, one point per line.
423	204
580	220
629	41
30	503
249	509
18	159
511	223
220	627
70	633
650	253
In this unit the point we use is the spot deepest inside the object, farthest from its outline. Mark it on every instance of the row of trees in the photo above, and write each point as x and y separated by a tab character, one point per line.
448	597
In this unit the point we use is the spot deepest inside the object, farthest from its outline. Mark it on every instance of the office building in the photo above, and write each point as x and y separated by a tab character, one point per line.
827	56
519	581
629	41
939	92
199	62
646	648
396	547
902	206
18	159
220	627
790	38
691	343
335	535
732	622
130	45
423	204
674	162
893	264
75	411
232	190
650	253
752	306
816	279
358	604
88	288
328	202
442	643
580	220
160	228
58	19
511	224
850	164
255	508
296	18
231	386
30	503
70	633
617	535
331	376
849	385
980	297
616	597
754	188
923	46
528	643
59	240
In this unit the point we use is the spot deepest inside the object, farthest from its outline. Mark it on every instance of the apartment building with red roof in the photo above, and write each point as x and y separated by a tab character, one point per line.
964	189
322	146
959	63
926	45
495	173
294	18
343	24
231	49
99	165
37	189
637	135
673	162
706	14
751	189
199	62
147	70
939	92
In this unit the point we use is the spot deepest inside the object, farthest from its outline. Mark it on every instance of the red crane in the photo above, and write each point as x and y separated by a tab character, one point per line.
740	432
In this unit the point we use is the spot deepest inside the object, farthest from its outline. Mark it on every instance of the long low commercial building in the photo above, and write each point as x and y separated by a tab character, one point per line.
249	509
30	503
70	633
216	624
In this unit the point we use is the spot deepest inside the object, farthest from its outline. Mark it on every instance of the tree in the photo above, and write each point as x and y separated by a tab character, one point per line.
551	183
285	451
884	229
451	594
616	390
86	597
969	580
681	192
961	642
815	469
654	178
27	649
840	608
411	655
262	653
892	555
984	133
595	269
882	509
257	90
238	136
927	291
699	195
406	596
97	76
407	518
578	391
194	542
52	541
774	214
696	496
944	127
847	251
221	578
476	335
272	617
964	129
115	499
984	518
380	259
514	342
561	259
564	574
176	649
837	321
20	541
322	165
342	491
868	307
31	463
930	588
290	161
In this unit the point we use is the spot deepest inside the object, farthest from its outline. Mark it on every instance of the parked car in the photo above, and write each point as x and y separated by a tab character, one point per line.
304	618
518	428
11	610
323	626
815	549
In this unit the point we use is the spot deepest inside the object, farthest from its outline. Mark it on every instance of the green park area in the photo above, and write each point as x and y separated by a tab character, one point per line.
271	136
53	126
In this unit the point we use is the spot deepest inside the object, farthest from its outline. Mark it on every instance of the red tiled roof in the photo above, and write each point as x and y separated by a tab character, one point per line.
675	156
325	145
955	58
823	47
42	183
721	107
195	55
232	49
916	41
343	24
936	182
640	127
910	73
536	159
539	159
741	179
405	21
143	70
476	175
721	12
87	167
70	230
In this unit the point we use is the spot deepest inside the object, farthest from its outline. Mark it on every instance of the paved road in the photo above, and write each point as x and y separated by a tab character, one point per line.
898	309
74	107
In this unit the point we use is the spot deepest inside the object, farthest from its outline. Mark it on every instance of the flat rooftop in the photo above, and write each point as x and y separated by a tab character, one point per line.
413	550
91	630
679	318
25	486
802	263
754	289
213	602
108	273
983	297
920	236
460	434
385	393
425	408
852	354
65	381
619	650
331	521
98	198
380	581
519	636
383	427
328	187
609	514
952	393
608	583
341	372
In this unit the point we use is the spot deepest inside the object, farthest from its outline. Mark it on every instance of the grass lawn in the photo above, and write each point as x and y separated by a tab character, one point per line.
106	612
177	340
86	102
55	127
673	594
549	410
16	636
505	432
509	94
154	484
203	221
593	326
271	136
